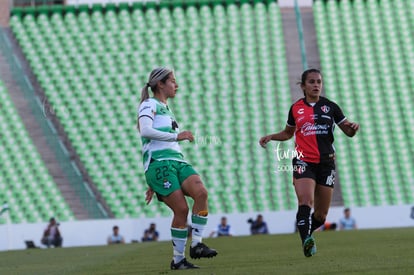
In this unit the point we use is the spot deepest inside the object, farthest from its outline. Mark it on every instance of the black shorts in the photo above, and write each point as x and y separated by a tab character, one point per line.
323	173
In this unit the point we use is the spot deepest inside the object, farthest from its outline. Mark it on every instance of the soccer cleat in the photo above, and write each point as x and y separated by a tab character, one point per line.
309	247
183	264
202	251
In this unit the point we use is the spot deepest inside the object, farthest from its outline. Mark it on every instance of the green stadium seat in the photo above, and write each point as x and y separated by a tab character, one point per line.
23	172
346	32
97	66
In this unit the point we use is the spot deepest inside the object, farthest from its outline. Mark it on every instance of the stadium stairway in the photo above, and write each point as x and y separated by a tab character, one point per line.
293	54
4	13
310	38
36	133
294	61
313	60
39	140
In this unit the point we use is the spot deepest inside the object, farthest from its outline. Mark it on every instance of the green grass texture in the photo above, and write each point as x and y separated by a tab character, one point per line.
385	251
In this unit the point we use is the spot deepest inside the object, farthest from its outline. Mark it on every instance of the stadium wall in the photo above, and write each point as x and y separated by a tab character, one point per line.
95	232
282	3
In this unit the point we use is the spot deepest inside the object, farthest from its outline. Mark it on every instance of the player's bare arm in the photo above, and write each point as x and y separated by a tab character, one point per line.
283	135
148	195
185	135
349	128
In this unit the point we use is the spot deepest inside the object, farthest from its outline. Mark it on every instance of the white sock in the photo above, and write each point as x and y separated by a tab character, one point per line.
179	240
198	224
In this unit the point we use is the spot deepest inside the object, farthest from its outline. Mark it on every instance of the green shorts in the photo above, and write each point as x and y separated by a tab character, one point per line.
166	176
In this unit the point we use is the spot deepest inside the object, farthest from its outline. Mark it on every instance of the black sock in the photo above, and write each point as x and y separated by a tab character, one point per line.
315	223
303	221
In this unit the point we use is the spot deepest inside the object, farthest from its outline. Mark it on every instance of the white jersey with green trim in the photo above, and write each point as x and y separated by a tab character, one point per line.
164	121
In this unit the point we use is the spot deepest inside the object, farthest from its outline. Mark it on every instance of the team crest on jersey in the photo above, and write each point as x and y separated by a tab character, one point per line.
167	184
325	109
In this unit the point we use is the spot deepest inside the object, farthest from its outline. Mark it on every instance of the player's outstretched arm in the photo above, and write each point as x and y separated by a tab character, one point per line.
286	134
349	128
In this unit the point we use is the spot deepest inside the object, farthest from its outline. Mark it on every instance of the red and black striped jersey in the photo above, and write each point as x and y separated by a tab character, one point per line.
314	128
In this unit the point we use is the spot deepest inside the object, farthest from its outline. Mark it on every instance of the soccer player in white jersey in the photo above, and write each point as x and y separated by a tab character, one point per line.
168	175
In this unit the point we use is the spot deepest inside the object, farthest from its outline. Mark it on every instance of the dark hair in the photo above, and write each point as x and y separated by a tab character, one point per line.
115	227
305	75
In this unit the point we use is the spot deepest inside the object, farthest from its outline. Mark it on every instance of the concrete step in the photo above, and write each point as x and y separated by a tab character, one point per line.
4	13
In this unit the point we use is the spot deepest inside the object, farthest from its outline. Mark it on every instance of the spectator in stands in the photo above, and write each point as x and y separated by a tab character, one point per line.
223	229
347	222
258	226
311	120
51	235
150	234
115	238
168	175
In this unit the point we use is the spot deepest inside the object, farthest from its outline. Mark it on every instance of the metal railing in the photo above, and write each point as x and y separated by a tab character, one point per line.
33	3
301	39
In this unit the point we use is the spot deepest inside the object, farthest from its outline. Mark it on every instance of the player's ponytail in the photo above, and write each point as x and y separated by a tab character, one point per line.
158	74
145	93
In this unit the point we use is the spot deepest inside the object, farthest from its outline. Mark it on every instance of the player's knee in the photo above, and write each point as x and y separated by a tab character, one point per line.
201	195
204	193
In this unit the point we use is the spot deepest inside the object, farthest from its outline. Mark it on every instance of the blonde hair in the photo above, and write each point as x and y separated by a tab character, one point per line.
158	74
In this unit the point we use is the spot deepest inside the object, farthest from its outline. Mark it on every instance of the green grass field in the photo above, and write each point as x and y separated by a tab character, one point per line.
389	251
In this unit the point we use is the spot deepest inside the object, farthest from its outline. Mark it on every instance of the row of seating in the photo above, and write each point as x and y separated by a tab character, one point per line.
365	48
121	6
230	62
224	56
25	183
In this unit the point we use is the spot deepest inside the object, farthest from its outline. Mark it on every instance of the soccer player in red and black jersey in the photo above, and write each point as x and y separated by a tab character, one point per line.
312	121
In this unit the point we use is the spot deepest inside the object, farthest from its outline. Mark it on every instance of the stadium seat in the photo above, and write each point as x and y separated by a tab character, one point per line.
25	183
362	46
228	94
